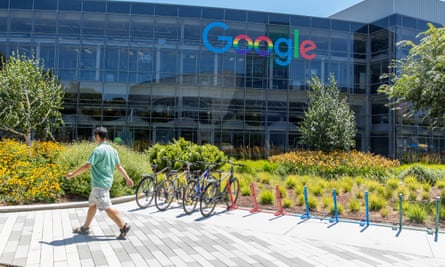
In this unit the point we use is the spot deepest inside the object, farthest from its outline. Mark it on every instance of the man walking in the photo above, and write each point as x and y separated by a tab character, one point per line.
103	161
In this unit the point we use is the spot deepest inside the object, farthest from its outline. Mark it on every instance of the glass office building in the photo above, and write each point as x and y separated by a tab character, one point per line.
233	78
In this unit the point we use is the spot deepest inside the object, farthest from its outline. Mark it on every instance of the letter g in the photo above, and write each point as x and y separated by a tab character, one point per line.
205	39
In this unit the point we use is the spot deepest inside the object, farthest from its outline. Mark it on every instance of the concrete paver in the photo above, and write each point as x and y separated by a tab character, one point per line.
228	238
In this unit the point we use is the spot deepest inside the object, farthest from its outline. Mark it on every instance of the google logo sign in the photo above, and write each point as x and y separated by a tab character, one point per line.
262	45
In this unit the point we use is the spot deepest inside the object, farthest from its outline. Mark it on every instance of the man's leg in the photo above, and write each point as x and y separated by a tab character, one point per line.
90	215
114	215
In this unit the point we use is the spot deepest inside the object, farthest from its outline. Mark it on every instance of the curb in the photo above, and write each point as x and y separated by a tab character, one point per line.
80	204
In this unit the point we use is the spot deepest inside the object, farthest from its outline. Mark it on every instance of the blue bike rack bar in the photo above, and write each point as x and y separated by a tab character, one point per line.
400	211
437	218
366	222
334	196
307	215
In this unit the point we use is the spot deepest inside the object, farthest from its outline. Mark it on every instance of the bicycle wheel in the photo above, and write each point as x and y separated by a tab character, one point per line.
234	191
145	192
207	201
190	197
164	195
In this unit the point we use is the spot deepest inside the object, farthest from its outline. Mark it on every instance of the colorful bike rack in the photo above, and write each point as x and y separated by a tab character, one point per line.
255	203
232	202
280	211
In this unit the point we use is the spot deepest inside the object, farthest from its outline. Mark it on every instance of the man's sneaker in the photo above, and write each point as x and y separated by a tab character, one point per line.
124	231
82	230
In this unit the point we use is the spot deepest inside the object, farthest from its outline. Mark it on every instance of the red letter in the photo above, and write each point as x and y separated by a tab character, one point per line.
306	46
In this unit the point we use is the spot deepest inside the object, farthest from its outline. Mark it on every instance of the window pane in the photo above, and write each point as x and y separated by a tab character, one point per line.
22	4
93	24
69	58
167	28
236	15
192	31
118	26
20	22
142	8
3	22
166	10
93	6
190	12
118	7
141	27
45	22
47	53
70	5
69	23
46	4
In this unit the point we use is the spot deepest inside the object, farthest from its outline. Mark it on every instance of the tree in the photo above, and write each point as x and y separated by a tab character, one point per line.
329	123
419	79
30	98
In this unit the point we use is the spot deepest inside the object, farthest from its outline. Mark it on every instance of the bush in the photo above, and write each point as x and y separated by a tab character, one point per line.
266	197
135	163
416	214
184	150
422	173
30	174
376	203
335	164
287	203
291	182
354	205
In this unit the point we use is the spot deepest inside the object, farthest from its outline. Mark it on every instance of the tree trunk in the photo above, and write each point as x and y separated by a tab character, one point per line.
28	139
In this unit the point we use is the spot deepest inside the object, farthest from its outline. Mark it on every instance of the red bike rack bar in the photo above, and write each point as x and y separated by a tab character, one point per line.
253	194
229	191
280	204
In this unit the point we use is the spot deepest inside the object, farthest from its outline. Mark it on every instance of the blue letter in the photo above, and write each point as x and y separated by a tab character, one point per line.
205	38
287	54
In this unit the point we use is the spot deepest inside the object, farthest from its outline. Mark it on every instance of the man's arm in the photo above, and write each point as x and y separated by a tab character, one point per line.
85	167
125	174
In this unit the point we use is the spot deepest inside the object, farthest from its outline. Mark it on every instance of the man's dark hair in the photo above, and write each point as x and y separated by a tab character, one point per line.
102	132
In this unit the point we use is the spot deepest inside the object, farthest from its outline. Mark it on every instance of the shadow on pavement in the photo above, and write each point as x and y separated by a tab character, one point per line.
78	239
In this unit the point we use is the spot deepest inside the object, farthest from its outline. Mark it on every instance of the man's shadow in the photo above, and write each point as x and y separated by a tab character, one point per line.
79	239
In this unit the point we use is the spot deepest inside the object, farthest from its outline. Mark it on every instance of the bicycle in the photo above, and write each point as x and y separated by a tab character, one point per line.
194	188
147	186
172	187
215	191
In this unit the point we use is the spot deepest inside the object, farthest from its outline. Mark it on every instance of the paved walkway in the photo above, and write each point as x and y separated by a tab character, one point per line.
228	238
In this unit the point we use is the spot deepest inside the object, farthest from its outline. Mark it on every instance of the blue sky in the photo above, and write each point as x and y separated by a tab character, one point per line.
317	8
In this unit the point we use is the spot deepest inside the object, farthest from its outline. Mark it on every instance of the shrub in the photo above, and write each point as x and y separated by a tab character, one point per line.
416	214
266	197
392	184
287	203
185	150
376	203
316	189
327	202
440	184
422	174
312	203
30	174
384	212
291	181
283	191
354	205
335	164
264	177
245	190
346	184
340	209
75	155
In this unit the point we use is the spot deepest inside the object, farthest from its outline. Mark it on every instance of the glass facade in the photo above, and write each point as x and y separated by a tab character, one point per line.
147	73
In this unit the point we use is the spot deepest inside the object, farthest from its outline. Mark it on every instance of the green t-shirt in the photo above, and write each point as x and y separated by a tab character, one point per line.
103	159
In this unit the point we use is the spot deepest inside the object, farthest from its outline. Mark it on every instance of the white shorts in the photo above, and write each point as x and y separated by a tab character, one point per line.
100	197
